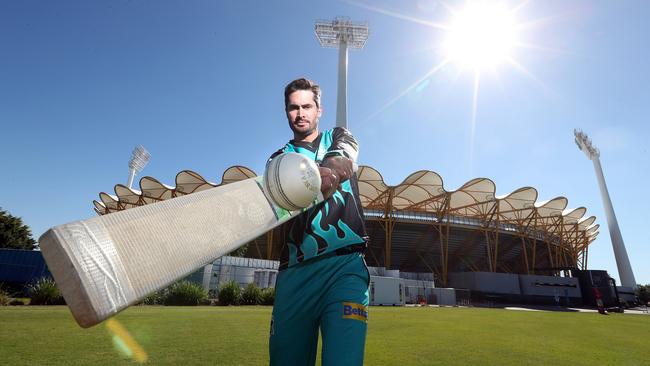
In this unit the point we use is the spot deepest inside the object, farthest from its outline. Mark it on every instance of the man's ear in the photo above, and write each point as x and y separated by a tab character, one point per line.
320	111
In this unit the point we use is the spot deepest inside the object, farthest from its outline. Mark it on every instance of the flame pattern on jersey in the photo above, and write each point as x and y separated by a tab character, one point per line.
334	223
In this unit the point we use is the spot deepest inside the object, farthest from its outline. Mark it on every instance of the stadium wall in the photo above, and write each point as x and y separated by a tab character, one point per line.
514	288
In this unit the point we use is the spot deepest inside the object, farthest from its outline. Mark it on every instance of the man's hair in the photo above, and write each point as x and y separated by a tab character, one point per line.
302	84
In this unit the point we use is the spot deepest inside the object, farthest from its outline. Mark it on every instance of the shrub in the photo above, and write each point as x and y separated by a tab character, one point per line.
267	296
643	293
5	299
154	298
213	293
251	295
45	292
184	293
229	294
16	302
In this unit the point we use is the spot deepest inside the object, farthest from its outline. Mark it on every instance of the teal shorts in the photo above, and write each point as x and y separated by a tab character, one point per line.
330	294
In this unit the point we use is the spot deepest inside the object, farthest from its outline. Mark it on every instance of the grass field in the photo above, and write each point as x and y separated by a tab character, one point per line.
37	335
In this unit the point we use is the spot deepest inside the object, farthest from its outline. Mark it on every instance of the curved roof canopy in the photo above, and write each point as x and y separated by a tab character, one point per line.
421	192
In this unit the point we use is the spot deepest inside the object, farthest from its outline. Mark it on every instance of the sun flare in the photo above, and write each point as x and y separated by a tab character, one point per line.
480	36
476	39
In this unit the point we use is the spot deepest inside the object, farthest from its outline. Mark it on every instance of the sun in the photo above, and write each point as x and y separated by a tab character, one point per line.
476	39
480	36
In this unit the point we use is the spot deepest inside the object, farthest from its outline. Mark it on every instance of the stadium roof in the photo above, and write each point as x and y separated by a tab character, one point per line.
438	230
421	192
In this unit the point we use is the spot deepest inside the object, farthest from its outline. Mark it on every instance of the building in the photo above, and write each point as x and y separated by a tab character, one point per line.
418	226
19	268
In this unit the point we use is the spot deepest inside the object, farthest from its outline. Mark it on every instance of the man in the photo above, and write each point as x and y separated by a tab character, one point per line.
323	279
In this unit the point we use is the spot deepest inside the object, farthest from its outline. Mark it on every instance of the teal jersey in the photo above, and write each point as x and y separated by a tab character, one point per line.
334	223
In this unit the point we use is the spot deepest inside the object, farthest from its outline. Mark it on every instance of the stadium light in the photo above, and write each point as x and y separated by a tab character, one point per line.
341	33
622	262
139	159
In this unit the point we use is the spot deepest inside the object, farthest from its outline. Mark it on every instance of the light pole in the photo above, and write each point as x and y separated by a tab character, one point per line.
341	33
622	262
139	159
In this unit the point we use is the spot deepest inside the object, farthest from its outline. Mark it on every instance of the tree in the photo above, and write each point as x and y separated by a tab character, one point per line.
643	292
14	234
240	252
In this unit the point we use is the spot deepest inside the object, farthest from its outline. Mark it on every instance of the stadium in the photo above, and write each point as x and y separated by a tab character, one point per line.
461	272
466	238
512	247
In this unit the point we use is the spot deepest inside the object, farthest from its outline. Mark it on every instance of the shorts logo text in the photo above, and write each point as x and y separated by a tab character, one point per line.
355	311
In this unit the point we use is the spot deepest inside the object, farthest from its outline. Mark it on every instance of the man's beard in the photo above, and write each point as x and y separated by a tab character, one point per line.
303	133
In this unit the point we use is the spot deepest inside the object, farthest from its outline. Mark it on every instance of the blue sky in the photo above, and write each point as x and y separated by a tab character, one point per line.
199	84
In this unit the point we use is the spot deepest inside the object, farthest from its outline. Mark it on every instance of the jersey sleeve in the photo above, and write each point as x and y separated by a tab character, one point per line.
280	151
343	144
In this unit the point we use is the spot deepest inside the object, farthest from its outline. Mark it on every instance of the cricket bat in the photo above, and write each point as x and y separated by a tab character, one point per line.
104	264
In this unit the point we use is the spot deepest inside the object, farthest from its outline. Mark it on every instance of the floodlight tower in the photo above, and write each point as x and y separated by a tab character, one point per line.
341	33
139	159
622	262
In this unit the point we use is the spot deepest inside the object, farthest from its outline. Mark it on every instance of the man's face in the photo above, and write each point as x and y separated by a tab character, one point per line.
303	114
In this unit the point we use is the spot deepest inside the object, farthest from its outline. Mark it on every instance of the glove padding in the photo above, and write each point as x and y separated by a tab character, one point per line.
341	166
329	182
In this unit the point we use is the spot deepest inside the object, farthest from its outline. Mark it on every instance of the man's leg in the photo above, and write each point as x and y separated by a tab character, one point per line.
344	319
294	326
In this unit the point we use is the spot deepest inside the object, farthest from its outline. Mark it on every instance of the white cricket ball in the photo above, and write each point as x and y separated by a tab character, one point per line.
292	181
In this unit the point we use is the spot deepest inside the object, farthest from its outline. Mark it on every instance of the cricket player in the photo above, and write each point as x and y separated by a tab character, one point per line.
323	279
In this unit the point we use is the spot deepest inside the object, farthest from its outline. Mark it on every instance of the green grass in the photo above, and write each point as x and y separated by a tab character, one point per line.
47	335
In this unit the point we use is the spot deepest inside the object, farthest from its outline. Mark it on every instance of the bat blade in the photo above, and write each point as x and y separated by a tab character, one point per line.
104	264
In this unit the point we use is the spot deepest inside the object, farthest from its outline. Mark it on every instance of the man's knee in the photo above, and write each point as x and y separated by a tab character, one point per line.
292	342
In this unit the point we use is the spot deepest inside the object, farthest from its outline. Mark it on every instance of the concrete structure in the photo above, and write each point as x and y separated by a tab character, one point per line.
139	159
388	291
241	270
518	288
343	34
421	231
419	226
622	261
537	289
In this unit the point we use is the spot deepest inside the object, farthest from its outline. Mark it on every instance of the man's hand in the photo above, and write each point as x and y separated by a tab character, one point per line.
329	182
341	166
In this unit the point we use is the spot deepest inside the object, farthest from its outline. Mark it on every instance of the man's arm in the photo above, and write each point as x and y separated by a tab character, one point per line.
343	144
329	181
342	155
281	151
